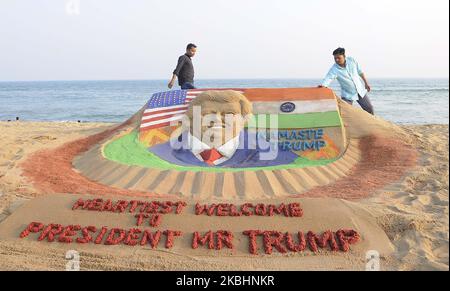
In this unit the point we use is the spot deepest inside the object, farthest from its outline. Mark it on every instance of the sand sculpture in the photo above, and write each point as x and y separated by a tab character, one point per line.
355	154
313	149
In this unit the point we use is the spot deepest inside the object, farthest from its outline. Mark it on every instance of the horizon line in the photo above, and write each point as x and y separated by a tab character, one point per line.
216	79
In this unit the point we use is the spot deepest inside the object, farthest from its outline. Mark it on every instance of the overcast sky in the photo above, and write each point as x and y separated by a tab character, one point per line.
142	39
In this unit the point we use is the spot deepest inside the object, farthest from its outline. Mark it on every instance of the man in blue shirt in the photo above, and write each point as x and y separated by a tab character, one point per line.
354	85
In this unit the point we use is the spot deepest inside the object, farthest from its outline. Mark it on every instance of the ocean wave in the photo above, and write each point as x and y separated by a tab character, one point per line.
439	90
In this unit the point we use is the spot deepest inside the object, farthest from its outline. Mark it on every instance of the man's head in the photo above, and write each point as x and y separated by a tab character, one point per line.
222	115
191	49
339	56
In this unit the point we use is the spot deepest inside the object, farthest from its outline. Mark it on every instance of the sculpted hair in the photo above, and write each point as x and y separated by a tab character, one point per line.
221	97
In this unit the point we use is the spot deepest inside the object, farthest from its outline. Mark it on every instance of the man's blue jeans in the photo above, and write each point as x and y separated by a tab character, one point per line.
187	86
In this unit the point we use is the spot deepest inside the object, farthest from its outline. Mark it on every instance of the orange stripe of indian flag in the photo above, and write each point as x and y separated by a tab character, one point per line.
288	94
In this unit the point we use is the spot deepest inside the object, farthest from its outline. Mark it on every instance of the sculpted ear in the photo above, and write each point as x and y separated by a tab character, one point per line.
246	108
190	112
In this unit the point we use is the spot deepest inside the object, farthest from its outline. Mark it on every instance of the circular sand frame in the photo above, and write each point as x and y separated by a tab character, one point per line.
255	184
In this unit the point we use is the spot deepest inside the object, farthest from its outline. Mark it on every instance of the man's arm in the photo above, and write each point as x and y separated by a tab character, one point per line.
176	72
363	76
366	83
172	81
330	77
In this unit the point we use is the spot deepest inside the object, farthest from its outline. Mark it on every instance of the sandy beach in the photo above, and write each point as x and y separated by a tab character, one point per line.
413	212
300	136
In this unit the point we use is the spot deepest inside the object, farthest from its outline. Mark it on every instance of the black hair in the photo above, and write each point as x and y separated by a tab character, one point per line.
339	52
191	45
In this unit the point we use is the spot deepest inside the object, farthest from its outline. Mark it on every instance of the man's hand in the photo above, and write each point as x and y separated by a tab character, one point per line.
172	81
366	83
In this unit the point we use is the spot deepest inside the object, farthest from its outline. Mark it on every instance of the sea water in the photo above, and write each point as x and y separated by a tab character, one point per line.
403	101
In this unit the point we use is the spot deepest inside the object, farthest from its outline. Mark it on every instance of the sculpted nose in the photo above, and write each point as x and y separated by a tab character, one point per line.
217	117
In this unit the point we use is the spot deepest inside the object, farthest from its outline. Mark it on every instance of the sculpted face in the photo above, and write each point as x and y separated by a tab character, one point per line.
221	119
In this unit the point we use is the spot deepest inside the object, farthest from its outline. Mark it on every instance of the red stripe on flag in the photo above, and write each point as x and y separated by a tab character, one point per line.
160	118
165	111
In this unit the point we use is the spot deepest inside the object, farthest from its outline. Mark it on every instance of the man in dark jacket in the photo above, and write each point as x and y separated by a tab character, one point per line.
185	69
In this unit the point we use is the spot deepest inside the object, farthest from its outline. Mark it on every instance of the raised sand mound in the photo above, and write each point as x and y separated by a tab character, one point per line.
376	154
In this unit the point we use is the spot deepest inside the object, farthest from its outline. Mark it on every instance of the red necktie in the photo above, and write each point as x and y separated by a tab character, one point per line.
210	156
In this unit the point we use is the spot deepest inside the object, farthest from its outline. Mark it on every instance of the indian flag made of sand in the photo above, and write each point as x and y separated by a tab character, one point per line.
294	107
300	112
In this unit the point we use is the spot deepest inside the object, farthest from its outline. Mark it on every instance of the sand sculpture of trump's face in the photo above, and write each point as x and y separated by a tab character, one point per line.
217	117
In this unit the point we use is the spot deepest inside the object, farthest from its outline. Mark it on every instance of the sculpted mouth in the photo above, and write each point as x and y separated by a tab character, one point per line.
217	126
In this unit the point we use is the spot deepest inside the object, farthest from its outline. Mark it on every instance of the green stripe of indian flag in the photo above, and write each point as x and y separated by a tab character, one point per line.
307	120
300	107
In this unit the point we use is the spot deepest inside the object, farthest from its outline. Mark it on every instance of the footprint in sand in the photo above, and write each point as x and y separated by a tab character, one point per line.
44	138
12	162
439	199
18	155
421	200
